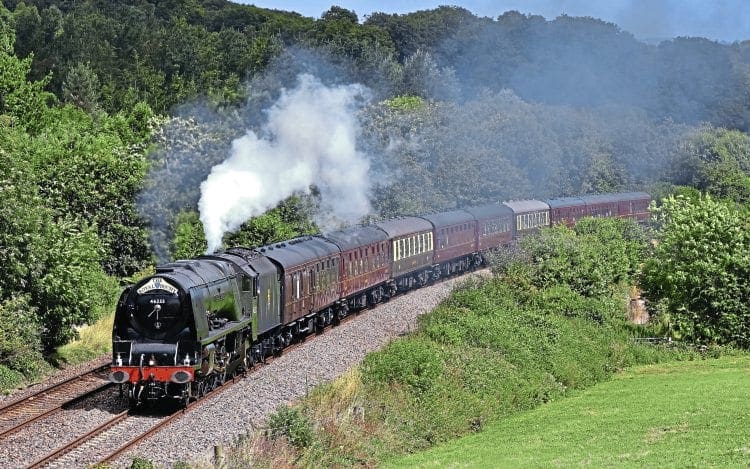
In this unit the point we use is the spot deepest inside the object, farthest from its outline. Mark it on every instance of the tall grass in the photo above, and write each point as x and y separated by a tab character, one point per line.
93	341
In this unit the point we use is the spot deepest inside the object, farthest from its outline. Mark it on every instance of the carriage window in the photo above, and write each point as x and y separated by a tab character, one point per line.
246	284
296	282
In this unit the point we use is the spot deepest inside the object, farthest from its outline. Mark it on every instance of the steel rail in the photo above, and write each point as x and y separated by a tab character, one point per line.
58	453
24	412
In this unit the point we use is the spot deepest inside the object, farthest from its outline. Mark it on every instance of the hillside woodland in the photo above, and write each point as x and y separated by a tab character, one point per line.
113	113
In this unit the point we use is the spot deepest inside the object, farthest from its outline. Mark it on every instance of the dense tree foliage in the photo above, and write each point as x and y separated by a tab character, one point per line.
165	53
440	155
716	161
697	276
581	62
57	232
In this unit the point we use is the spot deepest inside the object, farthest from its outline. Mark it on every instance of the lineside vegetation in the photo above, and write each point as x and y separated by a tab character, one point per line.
531	334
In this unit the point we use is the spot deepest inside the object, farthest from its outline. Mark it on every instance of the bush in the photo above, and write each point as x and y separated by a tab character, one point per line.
141	463
414	363
9	378
21	344
591	258
289	423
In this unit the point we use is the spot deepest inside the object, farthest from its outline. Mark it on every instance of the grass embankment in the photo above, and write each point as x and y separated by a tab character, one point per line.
689	414
93	341
487	353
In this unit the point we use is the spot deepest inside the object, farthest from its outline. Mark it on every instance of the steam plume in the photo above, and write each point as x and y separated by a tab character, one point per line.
309	138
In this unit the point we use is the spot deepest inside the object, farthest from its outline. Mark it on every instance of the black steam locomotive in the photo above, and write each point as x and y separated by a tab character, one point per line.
183	331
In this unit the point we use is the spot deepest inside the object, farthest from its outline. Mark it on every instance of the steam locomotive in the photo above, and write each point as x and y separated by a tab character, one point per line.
183	331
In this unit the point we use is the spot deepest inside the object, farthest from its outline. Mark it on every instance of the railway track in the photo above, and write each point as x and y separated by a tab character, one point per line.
113	438
19	414
127	429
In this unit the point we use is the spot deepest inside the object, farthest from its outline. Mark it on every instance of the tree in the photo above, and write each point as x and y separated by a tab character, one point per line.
716	161
697	275
81	88
189	240
50	261
336	13
21	345
23	102
92	169
28	26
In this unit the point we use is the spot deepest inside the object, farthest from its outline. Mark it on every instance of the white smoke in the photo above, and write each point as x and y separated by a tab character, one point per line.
309	138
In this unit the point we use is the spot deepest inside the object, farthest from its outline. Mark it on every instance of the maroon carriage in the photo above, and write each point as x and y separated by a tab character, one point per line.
601	205
455	242
309	267
634	205
530	215
566	210
365	264
494	225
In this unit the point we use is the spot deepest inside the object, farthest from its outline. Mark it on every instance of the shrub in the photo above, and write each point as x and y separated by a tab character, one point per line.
141	463
597	254
290	423
21	344
414	363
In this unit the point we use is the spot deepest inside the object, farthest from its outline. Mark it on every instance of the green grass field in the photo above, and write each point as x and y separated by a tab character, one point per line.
686	414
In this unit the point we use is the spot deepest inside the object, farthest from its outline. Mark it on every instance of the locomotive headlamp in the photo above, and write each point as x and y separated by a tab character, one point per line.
118	361
152	361
119	376
180	377
186	360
